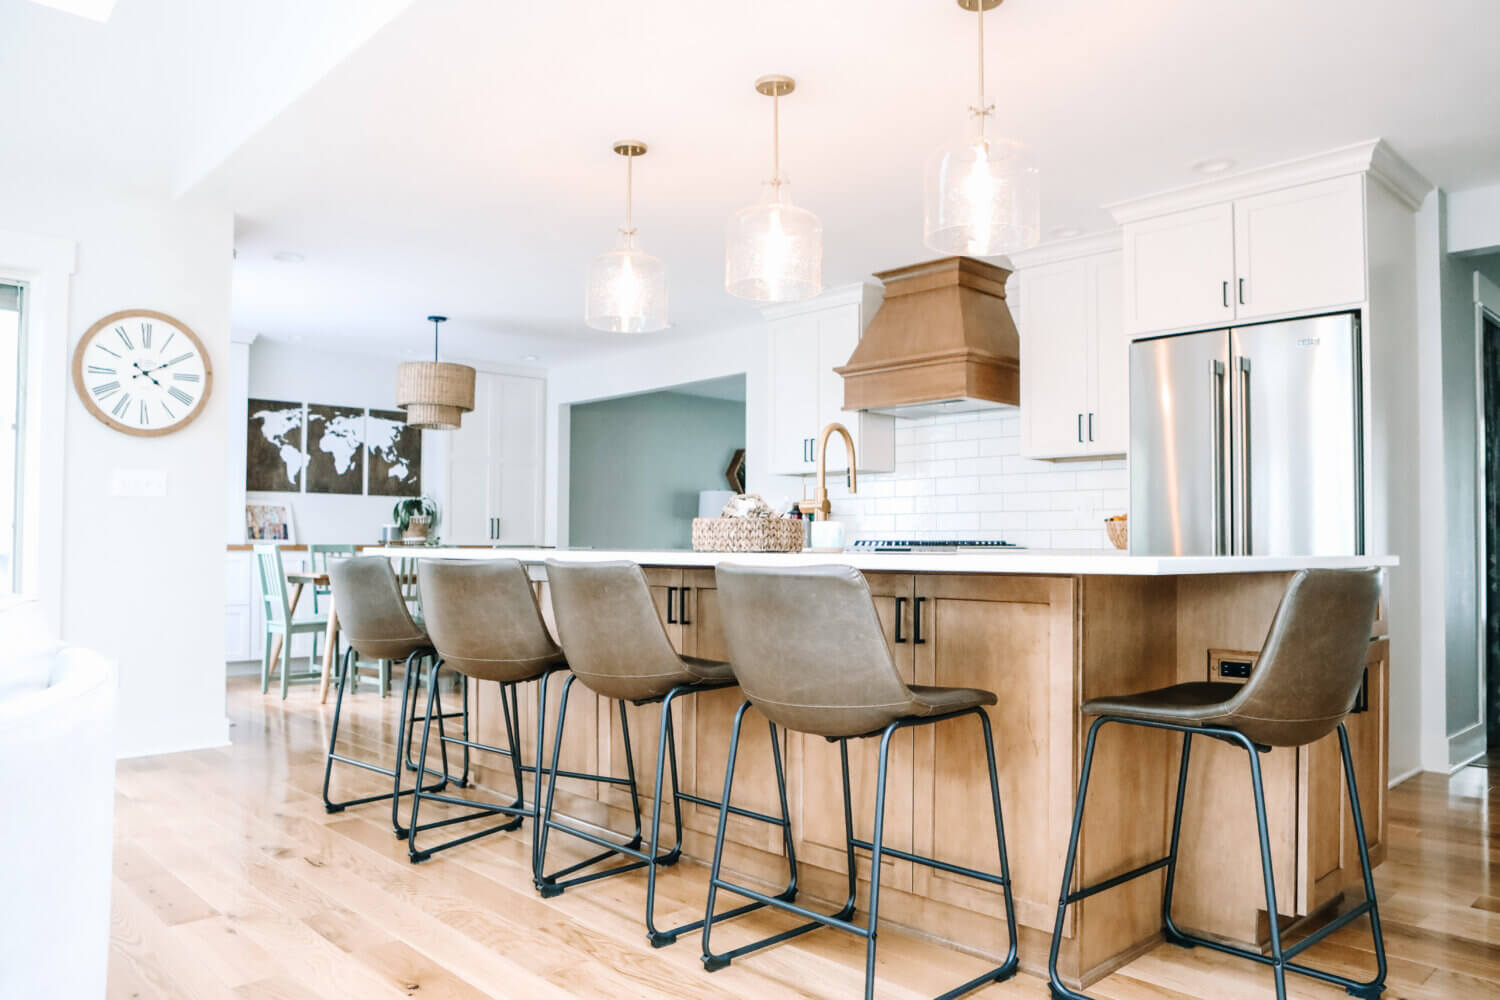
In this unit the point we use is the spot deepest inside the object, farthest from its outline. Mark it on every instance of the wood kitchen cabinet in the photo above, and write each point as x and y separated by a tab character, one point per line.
1075	358
1286	252
495	465
807	341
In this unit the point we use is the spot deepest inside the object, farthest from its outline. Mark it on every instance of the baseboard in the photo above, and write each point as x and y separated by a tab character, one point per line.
1396	779
1467	746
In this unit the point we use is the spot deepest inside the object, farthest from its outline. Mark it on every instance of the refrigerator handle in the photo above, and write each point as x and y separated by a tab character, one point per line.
1243	364
1216	408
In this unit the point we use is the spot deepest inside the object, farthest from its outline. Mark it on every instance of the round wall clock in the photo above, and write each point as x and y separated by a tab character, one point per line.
142	372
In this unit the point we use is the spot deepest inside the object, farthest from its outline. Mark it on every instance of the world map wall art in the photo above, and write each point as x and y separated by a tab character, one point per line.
319	448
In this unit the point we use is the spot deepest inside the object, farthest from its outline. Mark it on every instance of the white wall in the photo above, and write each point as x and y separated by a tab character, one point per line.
281	370
1473	219
141	579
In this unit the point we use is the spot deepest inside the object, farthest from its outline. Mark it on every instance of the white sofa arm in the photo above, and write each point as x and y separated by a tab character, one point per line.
56	827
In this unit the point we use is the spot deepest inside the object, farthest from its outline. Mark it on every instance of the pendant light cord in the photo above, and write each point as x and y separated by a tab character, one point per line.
776	142
435	340
981	110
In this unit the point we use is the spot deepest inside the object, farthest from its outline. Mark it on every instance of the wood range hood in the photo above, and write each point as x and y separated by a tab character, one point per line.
942	342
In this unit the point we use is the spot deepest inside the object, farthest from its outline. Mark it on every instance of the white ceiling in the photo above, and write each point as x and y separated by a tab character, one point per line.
458	161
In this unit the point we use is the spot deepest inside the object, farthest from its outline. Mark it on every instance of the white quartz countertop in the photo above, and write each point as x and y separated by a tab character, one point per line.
1026	561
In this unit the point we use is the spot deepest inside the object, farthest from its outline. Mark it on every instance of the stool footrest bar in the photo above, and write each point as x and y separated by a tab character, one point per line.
1323	932
733	810
1110	883
944	866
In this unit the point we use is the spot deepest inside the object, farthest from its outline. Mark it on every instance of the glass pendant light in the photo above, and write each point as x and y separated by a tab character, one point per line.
981	197
773	251
627	287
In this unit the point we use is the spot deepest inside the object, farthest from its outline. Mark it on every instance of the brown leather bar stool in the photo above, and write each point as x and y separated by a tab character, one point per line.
486	625
375	624
618	648
808	649
1304	684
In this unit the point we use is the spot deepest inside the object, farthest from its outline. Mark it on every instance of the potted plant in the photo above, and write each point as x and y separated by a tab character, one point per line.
416	517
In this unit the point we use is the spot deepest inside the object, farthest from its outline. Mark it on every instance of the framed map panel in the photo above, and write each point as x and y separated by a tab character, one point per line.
274	461
395	452
335	449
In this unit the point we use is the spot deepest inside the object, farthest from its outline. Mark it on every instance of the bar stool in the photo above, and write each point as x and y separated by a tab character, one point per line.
376	625
618	647
808	649
484	620
1302	687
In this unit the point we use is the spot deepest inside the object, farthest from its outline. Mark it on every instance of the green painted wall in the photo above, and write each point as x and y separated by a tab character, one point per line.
637	464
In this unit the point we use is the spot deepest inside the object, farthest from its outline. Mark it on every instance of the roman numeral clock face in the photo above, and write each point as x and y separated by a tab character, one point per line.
142	372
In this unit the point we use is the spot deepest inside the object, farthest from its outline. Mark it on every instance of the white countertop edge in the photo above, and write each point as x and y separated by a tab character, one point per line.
1063	563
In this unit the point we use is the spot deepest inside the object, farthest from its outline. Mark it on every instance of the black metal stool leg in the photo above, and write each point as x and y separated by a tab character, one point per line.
1012	957
333	740
665	746
536	791
416	799
408	683
1064	897
1372	989
712	962
1278	966
1170	931
876	851
788	842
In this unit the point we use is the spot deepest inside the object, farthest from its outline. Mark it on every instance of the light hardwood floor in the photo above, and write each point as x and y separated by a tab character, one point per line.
231	880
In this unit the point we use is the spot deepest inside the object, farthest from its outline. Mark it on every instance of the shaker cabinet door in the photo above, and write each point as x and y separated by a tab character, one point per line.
794	394
1055	321
1109	361
1301	249
1179	269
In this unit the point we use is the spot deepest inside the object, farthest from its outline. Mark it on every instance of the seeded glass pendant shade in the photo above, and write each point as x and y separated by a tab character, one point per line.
435	394
773	250
627	290
981	196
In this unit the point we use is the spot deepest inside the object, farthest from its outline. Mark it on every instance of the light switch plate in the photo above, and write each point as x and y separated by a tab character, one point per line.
139	483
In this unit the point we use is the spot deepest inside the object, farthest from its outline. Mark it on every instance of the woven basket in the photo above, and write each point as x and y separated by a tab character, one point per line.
1119	531
747	534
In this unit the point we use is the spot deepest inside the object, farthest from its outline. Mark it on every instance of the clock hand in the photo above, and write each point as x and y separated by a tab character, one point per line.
141	371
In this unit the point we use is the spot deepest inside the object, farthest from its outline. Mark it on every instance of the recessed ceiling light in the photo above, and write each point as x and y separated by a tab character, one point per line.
1211	167
287	257
529	357
1066	232
94	10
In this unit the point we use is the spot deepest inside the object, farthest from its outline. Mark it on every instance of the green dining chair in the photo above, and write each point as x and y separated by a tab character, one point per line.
278	617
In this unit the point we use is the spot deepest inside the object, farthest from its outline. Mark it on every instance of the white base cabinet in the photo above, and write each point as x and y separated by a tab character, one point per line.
1075	357
807	341
495	461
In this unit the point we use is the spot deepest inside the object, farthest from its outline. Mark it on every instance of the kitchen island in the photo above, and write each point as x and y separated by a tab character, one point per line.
1046	631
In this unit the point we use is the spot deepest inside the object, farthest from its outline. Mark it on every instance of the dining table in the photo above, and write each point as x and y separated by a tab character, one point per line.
300	579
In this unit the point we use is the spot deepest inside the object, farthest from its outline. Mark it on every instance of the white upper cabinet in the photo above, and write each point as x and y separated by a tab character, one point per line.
1179	269
807	342
1075	385
1286	252
1300	250
495	465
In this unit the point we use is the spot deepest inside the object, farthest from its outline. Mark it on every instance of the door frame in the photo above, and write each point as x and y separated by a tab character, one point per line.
1472	742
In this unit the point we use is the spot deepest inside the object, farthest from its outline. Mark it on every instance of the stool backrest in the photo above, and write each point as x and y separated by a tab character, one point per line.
272	583
1313	660
807	647
609	628
372	614
483	618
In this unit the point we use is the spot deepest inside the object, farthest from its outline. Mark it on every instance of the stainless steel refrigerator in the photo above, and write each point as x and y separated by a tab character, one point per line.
1247	441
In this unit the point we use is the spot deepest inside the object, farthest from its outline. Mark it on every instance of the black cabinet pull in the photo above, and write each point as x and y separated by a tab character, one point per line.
682	618
1242	291
1091	427
671	593
900	614
1080	428
1226	295
916	622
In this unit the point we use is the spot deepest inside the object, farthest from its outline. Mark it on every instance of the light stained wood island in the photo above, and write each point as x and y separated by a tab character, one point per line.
1045	632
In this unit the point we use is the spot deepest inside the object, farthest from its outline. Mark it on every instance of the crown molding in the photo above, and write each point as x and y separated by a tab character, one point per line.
1374	157
243	336
1070	249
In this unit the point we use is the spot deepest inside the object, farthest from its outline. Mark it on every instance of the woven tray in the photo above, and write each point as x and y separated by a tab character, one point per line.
747	534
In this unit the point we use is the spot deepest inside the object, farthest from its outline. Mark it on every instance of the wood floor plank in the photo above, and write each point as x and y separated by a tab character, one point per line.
232	880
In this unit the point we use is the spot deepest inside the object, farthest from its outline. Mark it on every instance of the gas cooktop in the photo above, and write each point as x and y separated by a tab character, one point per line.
930	545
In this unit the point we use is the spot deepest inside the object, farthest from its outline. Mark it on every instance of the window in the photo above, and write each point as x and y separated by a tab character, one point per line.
12	406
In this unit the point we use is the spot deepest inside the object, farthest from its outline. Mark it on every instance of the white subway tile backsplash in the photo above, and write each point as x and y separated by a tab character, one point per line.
962	475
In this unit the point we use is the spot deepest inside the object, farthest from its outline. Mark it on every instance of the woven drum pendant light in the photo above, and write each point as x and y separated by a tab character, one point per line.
773	251
981	196
434	394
